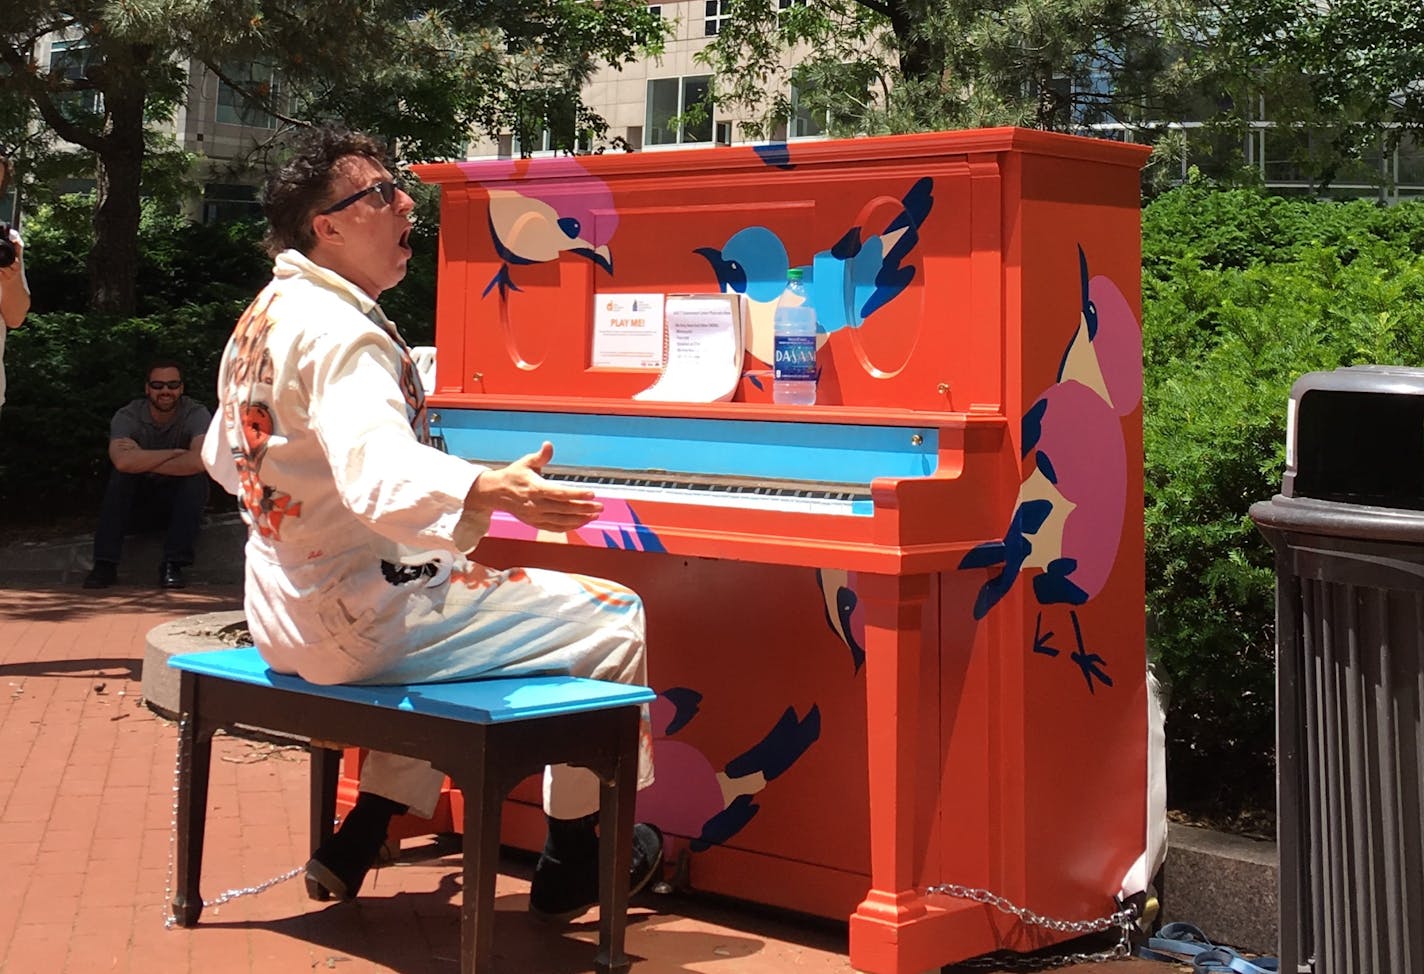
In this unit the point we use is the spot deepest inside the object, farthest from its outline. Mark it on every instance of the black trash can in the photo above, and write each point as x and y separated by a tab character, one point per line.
1348	533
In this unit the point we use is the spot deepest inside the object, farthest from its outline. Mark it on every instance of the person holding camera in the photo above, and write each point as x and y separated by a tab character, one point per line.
14	289
158	480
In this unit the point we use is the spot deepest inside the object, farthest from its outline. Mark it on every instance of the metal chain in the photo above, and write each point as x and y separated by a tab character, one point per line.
169	919
1124	920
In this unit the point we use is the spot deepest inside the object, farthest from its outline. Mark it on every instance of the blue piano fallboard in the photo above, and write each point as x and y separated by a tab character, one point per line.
813	453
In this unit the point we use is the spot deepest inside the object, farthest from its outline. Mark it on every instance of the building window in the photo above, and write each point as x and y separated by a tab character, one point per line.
71	60
1409	162
544	142
669	101
715	13
236	108
225	202
805	121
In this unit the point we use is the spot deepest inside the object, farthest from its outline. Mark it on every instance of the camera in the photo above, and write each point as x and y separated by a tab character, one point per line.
7	246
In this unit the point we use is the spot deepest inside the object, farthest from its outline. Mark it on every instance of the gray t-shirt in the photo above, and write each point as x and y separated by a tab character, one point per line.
135	422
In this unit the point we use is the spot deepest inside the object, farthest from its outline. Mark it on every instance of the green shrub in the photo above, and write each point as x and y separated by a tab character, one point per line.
179	262
1243	293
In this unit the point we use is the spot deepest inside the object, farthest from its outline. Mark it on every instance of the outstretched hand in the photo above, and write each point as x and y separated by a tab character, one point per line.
519	490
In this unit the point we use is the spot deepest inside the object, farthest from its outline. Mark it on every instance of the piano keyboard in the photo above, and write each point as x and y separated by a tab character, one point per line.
707	490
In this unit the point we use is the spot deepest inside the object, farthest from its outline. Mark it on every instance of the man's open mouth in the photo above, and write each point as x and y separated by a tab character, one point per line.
404	240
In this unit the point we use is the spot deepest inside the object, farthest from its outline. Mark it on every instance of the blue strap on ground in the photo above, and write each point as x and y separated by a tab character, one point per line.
1183	943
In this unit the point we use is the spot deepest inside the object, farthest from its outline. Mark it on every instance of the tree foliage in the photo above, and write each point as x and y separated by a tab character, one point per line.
1242	294
1341	80
1346	76
913	65
423	75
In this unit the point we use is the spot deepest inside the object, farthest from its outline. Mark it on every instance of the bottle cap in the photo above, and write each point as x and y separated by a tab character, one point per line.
795	274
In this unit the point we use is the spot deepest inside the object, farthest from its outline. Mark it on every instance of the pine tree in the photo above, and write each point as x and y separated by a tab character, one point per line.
424	75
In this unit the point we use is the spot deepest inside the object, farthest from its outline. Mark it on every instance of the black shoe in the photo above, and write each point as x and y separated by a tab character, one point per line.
340	866
337	871
170	575
561	890
102	575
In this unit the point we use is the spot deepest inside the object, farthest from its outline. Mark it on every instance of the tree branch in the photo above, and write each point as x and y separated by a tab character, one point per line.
39	93
263	103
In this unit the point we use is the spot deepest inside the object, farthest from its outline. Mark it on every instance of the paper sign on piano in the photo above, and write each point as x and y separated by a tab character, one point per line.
628	331
703	360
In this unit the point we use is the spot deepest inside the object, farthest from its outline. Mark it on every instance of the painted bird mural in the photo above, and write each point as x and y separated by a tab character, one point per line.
565	210
690	796
844	615
1067	522
848	283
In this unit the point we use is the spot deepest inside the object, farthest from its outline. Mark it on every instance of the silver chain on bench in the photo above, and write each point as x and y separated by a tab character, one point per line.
1123	919
169	919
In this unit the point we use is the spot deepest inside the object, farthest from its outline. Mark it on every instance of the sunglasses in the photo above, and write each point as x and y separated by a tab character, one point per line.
156	384
386	189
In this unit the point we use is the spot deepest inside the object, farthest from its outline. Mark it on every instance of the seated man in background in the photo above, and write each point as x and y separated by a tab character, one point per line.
158	480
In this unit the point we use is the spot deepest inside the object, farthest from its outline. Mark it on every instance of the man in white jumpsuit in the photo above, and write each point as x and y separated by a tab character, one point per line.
357	528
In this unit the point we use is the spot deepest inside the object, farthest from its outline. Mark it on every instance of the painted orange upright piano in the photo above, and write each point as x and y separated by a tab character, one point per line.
897	635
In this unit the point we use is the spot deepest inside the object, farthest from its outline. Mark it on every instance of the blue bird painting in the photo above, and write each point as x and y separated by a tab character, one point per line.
859	274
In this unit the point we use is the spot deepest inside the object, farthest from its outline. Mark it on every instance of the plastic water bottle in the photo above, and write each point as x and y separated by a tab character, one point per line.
794	345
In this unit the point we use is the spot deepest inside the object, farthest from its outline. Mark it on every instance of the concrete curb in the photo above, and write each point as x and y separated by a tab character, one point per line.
1224	884
191	634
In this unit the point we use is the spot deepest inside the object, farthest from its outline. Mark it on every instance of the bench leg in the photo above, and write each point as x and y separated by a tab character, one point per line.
325	772
195	749
615	849
483	798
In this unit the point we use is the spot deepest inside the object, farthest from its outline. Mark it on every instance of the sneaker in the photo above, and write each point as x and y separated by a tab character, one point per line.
563	890
102	575
170	575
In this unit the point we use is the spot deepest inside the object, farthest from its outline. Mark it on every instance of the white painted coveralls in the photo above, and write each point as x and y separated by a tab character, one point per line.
356	528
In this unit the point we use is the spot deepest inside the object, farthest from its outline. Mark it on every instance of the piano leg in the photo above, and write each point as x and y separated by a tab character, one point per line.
895	930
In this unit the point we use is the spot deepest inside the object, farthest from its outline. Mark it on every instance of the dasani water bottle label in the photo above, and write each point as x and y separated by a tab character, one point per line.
795	356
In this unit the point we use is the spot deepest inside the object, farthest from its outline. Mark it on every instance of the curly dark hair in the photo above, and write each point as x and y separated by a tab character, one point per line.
302	186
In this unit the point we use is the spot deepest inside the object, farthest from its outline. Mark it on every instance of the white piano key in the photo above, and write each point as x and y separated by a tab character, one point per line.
742	500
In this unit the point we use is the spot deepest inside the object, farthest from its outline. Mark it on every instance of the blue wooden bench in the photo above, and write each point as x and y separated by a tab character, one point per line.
487	735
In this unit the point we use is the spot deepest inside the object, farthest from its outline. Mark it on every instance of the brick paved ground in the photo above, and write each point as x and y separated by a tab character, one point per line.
86	811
